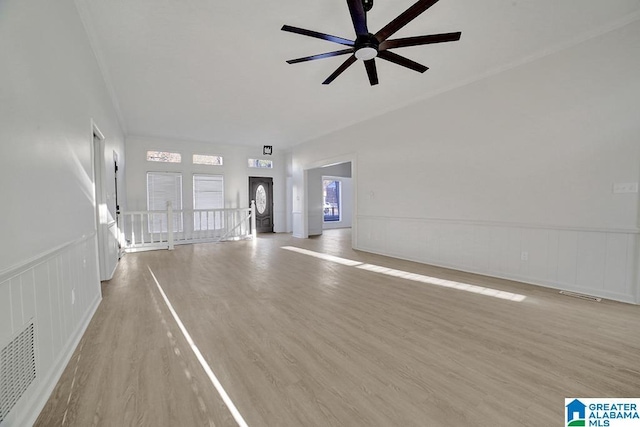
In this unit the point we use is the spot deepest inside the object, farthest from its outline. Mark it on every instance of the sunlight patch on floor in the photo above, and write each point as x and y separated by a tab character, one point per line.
196	351
325	257
480	290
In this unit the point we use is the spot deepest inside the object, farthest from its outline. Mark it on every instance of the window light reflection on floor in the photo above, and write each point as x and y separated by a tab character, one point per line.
481	290
325	257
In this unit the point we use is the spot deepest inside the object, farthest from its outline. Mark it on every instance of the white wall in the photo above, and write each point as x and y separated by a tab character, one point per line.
289	192
50	89
234	169
314	201
523	161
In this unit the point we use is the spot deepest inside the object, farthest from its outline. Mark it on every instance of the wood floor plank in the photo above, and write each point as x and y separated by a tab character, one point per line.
298	340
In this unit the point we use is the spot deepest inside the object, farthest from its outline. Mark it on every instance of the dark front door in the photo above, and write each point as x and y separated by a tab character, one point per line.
261	190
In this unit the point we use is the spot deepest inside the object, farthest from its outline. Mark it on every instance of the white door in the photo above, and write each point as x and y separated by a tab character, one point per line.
106	224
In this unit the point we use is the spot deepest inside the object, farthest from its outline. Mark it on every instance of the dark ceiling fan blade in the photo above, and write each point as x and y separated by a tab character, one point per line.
370	65
317	35
346	64
404	18
401	60
420	40
358	16
320	56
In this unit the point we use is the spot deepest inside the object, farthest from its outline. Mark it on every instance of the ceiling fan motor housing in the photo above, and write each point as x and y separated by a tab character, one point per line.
367	4
366	46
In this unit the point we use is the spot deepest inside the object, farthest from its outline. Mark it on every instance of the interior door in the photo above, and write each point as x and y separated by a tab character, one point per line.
261	190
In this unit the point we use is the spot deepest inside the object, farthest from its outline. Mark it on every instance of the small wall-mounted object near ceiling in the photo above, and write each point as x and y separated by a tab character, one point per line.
267	150
367	46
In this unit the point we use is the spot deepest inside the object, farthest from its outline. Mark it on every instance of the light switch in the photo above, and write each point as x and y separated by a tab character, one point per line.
625	187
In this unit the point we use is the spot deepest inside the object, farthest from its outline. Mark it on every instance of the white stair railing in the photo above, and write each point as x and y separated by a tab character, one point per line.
152	230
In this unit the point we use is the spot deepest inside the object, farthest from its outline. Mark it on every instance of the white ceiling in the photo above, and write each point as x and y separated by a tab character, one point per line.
215	71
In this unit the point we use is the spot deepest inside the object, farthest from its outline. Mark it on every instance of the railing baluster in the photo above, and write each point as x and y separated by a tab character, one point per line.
151	229
133	232
235	223
163	224
170	225
253	219
142	228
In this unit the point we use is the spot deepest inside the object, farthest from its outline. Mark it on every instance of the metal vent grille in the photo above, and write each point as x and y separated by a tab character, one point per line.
17	369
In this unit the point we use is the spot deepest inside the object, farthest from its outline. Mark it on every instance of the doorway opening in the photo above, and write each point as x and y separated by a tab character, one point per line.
330	197
332	200
100	198
106	223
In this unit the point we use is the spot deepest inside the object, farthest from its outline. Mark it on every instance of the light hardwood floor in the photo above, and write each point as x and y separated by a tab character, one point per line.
300	341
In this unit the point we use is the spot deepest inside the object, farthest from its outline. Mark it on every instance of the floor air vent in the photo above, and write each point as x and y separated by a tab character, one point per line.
581	296
17	369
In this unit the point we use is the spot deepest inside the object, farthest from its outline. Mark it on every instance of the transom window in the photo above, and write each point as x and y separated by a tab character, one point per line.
260	163
164	157
204	159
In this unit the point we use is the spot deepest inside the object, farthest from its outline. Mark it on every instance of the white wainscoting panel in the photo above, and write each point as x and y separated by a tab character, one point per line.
298	224
597	262
58	291
315	221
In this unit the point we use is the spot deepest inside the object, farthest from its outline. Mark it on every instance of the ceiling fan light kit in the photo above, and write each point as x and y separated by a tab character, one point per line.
368	46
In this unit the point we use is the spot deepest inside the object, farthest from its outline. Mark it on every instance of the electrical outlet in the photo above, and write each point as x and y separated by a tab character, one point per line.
524	256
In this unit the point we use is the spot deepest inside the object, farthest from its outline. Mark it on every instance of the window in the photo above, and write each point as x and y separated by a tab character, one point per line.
203	159
208	194
163	187
260	163
163	156
331	199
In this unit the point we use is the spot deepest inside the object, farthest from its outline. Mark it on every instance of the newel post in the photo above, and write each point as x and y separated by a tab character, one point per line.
170	225
253	219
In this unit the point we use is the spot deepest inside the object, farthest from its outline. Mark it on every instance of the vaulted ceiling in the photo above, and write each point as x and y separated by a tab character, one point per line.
215	71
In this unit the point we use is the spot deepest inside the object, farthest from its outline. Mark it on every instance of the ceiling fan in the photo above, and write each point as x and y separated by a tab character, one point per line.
368	46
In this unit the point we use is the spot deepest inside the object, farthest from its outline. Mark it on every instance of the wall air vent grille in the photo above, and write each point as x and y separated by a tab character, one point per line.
17	369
